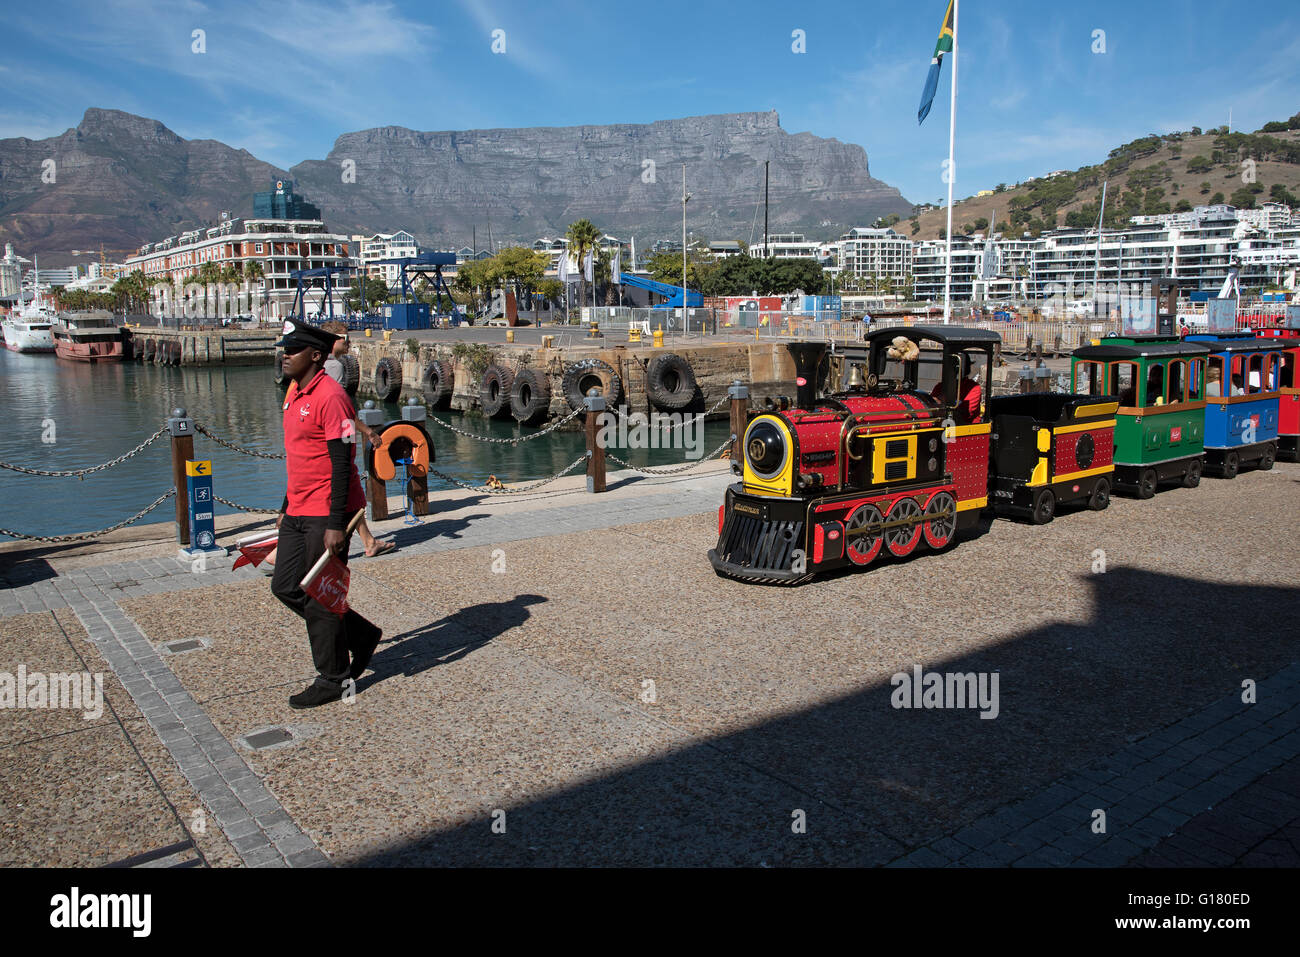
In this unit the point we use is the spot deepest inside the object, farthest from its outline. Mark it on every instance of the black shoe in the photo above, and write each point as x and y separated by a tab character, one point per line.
362	654
315	695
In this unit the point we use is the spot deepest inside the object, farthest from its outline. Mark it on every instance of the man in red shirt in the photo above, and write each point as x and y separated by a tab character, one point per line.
322	492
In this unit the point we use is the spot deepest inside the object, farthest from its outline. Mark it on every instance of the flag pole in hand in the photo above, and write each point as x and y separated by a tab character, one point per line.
325	557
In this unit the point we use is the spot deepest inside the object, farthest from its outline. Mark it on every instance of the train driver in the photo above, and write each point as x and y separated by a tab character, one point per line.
968	395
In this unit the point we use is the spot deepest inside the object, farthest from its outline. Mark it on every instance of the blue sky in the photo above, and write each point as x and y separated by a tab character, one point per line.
283	79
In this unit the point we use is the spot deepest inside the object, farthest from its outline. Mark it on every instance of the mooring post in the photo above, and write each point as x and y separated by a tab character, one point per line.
418	486
181	427
376	490
595	451
739	393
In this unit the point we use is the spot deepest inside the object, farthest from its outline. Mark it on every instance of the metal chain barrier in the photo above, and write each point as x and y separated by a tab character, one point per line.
670	470
511	491
85	536
523	438
97	468
247	508
235	448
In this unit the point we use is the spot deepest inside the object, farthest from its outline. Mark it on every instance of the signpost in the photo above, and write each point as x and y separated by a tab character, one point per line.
198	486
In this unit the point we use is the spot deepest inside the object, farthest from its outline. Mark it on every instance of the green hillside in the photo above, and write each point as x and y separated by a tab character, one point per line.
1151	175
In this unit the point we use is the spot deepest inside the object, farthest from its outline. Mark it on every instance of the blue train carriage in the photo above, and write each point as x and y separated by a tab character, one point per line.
1243	394
1159	384
1051	449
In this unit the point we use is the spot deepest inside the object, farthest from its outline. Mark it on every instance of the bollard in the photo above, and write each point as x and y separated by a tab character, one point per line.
417	489
376	490
181	427
739	393
659	337
1026	374
368	336
510	335
595	451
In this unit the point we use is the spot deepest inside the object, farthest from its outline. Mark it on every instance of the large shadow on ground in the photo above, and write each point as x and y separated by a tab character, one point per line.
448	639
873	780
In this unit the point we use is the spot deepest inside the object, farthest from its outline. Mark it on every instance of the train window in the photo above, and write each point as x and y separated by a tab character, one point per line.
1176	389
1255	380
1123	382
1088	379
1271	363
1155	390
1196	380
1214	378
1287	377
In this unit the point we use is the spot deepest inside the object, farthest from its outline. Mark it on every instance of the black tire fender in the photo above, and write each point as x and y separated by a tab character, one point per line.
436	384
530	396
494	390
388	379
670	382
581	375
351	373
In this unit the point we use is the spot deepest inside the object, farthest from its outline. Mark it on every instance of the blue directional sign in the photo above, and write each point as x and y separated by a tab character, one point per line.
198	485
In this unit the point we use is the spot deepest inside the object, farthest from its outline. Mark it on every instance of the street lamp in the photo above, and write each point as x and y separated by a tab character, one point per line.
686	198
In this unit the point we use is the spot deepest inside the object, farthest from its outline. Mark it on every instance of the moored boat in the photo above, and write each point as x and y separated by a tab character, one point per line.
29	331
90	336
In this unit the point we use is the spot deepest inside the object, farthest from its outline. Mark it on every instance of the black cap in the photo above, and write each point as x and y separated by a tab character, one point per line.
299	335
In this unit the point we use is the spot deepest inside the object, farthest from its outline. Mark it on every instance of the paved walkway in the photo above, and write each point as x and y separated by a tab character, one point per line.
615	702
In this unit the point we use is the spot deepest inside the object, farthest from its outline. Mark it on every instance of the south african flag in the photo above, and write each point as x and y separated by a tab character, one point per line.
932	81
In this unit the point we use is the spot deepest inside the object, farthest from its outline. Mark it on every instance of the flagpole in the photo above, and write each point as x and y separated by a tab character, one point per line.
952	170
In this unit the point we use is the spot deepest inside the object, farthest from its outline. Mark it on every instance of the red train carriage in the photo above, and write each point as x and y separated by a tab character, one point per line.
897	461
1288	414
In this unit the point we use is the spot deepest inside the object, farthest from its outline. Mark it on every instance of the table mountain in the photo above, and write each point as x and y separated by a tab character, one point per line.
122	180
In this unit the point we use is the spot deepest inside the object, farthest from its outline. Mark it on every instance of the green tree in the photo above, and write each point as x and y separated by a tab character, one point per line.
583	237
1206	186
1243	198
376	293
1216	199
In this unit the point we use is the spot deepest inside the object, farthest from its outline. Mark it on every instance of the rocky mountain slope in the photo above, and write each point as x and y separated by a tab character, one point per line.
121	180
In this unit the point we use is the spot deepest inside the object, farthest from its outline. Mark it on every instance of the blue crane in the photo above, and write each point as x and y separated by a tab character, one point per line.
672	293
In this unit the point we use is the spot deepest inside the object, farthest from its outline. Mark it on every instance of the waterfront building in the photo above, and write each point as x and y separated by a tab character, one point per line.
281	202
882	253
385	246
783	246
277	246
11	276
929	264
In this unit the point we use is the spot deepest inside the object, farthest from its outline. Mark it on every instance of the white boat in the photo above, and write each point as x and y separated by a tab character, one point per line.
29	328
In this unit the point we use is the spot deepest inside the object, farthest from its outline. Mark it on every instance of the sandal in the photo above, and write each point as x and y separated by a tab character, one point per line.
381	548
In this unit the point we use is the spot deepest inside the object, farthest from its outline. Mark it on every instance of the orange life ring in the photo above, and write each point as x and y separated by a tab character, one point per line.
410	440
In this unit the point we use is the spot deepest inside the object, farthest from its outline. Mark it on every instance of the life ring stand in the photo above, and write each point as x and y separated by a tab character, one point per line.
400	440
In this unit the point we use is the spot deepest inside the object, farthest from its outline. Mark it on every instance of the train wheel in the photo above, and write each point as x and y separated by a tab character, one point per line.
1270	455
1044	506
903	538
1147	484
1100	497
865	544
1193	476
940	521
1231	463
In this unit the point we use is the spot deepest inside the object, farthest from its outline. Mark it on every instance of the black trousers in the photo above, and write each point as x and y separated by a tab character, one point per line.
302	541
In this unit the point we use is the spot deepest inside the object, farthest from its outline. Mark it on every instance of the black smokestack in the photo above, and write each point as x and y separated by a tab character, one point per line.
807	361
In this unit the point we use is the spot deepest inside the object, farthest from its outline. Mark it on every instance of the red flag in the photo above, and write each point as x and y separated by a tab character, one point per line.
330	586
254	553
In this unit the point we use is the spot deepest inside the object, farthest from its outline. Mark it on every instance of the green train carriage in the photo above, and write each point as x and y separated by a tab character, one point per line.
1160	424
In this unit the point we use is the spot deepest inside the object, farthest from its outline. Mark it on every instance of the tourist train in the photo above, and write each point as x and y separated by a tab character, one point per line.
910	451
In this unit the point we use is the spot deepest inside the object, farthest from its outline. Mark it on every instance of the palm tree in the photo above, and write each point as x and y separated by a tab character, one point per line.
583	237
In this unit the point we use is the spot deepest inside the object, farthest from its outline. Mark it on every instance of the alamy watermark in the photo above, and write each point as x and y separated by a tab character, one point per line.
659	430
78	691
936	689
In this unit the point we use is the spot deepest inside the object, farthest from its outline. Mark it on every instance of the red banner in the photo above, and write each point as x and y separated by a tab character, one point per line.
330	587
255	552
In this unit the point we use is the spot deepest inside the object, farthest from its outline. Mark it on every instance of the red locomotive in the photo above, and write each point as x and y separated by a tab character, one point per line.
887	464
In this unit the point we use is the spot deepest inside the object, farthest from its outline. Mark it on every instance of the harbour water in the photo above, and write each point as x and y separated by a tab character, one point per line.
68	415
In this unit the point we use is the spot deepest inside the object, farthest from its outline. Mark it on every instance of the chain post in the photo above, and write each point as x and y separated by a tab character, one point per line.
739	393
595	403
376	490
181	428
417	485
